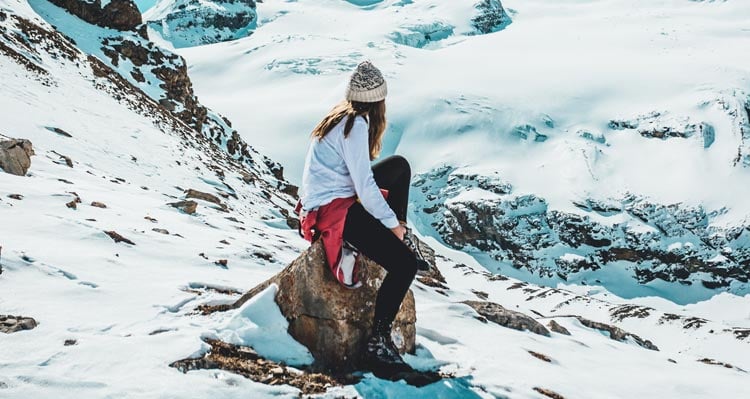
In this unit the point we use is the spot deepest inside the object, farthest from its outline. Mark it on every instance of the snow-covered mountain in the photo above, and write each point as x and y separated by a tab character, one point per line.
598	143
583	163
194	22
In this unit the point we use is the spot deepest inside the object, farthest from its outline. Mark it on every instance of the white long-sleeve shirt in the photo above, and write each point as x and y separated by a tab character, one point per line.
339	167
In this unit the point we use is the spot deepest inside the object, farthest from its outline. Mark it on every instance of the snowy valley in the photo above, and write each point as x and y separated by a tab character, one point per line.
580	165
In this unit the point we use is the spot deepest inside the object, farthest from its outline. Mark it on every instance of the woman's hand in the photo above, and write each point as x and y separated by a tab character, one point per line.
399	231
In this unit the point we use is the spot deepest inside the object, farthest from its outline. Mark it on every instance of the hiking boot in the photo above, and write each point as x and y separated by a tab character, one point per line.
381	355
411	241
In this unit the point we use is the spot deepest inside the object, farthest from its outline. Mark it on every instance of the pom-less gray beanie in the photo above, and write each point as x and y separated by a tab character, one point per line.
367	84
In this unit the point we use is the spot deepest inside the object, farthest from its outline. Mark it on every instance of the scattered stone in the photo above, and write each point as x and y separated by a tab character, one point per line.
15	196
507	318
118	238
556	327
10	324
64	158
188	207
481	294
150	219
715	362
672	361
225	242
59	131
190	193
162	231
202	255
549	393
15	155
222	262
65	181
74	203
617	333
266	256
333	322
160	331
741	333
96	204
540	356
70	342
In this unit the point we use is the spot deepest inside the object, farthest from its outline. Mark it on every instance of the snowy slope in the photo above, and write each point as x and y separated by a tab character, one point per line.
131	308
573	102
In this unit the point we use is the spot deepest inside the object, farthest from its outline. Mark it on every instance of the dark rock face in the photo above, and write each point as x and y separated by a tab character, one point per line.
10	324
191	22
523	231
333	322
491	17
15	155
118	14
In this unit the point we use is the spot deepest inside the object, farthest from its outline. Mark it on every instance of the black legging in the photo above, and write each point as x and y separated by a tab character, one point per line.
378	243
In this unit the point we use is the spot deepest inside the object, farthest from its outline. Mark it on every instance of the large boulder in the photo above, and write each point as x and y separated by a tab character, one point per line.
333	322
15	155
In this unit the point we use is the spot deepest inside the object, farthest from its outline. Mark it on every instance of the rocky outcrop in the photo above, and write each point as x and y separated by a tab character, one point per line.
662	125
523	231
490	17
10	324
616	333
188	23
15	155
507	318
116	14
333	322
246	362
137	67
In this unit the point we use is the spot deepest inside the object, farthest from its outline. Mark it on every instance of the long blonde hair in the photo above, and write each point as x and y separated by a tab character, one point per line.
374	113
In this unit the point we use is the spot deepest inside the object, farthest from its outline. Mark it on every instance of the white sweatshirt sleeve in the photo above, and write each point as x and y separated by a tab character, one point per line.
356	154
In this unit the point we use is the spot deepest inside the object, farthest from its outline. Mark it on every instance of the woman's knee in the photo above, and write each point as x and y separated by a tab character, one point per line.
401	164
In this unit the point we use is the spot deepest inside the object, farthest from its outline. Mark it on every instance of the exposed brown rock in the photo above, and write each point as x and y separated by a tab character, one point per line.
10	324
118	238
556	327
97	204
246	362
617	333
507	318
162	231
64	158
188	207
333	322
715	362
190	193
15	155
549	393
540	356
73	204
222	262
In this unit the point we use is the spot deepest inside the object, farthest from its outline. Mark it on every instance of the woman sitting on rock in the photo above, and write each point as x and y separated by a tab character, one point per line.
358	209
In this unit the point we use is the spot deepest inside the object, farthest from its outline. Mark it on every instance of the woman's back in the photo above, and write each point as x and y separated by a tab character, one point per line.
326	175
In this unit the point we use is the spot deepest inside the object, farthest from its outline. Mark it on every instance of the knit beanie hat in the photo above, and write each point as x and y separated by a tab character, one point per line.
367	84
